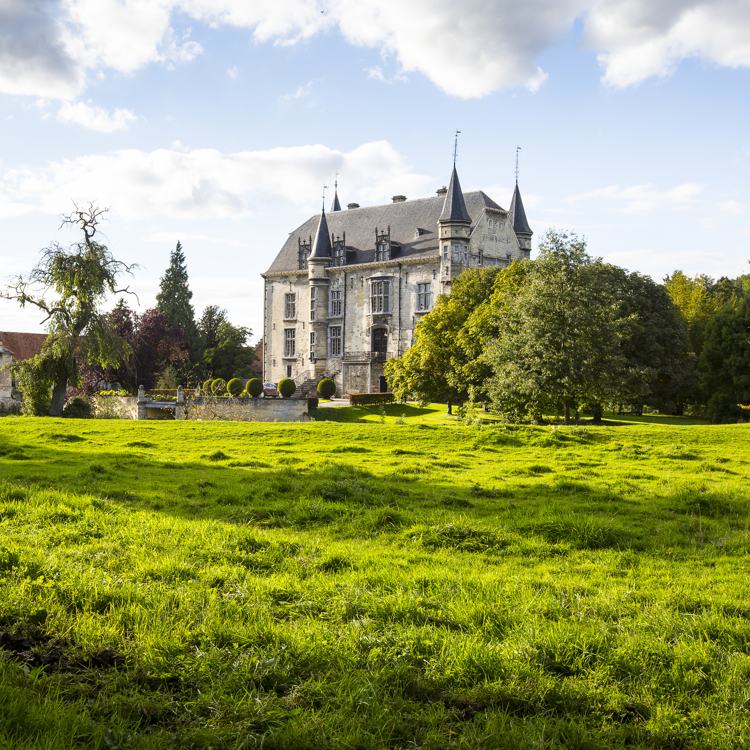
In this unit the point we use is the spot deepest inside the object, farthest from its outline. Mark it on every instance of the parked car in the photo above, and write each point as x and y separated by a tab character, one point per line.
270	390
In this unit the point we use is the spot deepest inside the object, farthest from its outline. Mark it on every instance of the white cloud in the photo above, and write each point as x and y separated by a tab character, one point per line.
467	49
171	238
233	72
642	199
299	93
206	183
638	39
730	208
95	118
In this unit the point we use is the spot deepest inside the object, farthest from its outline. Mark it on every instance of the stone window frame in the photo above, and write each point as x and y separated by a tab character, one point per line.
380	291
290	305
335	340
424	296
313	303
313	342
290	342
336	300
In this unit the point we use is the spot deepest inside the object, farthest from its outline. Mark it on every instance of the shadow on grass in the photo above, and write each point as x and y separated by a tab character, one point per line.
355	413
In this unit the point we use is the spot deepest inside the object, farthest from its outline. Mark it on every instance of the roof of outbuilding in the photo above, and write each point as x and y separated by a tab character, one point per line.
414	229
22	345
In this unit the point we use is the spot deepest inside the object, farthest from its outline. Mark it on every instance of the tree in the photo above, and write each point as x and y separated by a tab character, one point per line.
558	338
173	300
442	363
80	276
725	362
208	326
229	357
154	344
654	341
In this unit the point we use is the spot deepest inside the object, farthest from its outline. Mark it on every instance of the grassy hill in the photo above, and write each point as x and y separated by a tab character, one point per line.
373	585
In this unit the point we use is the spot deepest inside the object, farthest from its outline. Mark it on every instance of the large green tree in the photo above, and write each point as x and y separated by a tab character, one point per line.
442	364
230	356
212	318
558	337
68	285
173	299
725	362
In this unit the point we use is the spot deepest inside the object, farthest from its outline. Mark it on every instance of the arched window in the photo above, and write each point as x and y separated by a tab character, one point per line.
380	340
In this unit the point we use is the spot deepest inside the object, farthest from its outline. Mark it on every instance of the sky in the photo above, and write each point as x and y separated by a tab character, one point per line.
217	123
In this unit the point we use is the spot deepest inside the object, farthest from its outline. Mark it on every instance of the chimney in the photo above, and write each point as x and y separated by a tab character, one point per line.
442	191
399	199
352	205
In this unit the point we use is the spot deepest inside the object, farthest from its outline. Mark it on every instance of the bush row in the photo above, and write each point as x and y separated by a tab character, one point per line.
371	399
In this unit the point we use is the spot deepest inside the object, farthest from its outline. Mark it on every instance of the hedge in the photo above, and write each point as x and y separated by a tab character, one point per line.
235	386
254	387
371	399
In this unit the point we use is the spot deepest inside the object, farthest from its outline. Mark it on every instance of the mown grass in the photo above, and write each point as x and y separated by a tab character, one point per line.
368	585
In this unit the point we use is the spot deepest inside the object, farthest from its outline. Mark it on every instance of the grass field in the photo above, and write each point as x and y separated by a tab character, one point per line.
416	583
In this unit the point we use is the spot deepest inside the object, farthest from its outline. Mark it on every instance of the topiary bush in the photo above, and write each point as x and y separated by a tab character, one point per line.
78	408
254	387
219	387
286	387
207	387
235	387
327	388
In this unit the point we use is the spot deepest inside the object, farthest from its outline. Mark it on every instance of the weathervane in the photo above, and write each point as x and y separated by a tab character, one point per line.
324	197
455	148
336	183
518	148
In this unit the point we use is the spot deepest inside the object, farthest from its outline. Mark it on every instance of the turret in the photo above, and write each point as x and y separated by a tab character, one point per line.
454	226
318	262
517	217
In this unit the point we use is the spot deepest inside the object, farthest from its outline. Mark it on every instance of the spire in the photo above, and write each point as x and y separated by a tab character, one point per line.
454	208
336	206
518	215
322	243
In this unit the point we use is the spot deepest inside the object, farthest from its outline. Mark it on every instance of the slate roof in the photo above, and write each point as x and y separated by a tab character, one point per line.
322	243
454	208
404	219
22	345
336	206
518	215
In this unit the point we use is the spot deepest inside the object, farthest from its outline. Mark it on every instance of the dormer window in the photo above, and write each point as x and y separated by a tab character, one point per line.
302	253
382	245
339	250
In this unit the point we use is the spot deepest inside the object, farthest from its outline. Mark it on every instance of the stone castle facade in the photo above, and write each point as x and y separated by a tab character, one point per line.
348	288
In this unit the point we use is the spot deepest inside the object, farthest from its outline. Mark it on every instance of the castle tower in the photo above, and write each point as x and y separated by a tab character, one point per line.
517	217
454	226
319	260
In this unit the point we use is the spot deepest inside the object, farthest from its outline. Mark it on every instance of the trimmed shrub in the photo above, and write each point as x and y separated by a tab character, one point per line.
235	387
371	399
286	387
327	388
207	388
78	408
312	403
254	387
219	387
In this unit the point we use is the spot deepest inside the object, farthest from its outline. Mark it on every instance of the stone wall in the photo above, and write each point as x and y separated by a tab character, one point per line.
246	409
9	405
116	407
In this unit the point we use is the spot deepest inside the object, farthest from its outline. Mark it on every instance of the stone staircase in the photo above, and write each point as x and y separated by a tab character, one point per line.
307	389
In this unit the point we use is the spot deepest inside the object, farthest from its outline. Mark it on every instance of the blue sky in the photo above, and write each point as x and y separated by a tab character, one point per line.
217	122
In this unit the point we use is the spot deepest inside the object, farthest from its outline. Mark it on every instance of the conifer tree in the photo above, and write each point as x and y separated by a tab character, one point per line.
174	298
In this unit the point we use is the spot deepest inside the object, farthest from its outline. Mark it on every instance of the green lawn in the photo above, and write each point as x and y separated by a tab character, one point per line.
356	584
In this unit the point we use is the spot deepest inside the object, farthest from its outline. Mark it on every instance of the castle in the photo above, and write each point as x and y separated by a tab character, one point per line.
348	288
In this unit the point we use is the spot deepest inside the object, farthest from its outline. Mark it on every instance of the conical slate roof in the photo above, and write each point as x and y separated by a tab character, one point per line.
335	206
454	208
322	244
518	215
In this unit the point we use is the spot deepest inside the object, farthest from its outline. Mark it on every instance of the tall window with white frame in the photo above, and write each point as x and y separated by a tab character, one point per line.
313	340
380	296
334	341
313	302
290	306
424	295
290	342
336	303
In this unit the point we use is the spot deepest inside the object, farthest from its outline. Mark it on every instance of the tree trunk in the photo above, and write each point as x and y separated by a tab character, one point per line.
567	412
597	414
450	408
58	396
